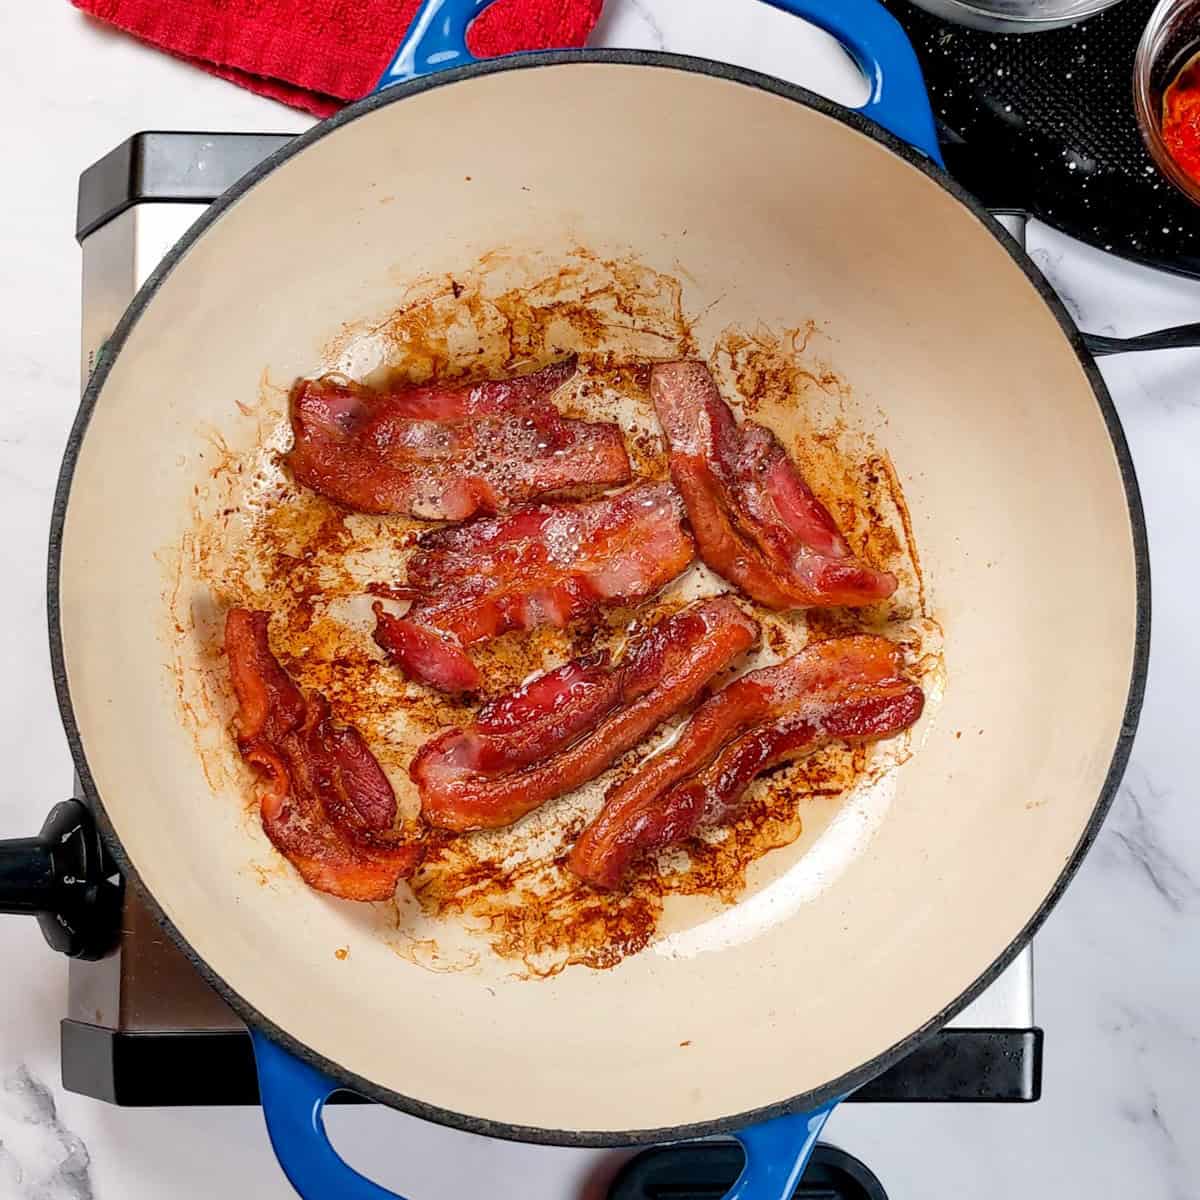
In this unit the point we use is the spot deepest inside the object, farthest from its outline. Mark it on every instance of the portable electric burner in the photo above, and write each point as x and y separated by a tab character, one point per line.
142	1027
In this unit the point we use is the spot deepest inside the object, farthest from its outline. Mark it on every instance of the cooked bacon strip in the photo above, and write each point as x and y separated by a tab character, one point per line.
550	711
544	565
568	726
446	453
757	523
846	688
425	653
327	807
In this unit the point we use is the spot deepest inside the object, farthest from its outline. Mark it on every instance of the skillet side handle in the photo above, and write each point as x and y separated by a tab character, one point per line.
877	42
436	40
776	1154
293	1097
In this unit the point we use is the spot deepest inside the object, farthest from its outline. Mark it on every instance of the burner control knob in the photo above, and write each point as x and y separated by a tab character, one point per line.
64	878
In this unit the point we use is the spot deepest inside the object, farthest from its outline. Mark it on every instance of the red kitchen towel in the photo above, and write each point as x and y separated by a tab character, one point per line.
320	54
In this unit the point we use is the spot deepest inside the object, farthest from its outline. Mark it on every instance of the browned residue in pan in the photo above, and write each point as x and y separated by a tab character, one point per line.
262	541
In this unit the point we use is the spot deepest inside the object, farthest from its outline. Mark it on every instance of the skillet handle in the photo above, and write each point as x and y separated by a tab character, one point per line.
776	1154
878	44
293	1101
436	41
294	1095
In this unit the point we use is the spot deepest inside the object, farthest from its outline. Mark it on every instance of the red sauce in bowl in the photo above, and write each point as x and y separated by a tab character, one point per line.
1181	118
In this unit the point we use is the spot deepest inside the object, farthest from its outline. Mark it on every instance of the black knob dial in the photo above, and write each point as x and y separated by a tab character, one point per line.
64	878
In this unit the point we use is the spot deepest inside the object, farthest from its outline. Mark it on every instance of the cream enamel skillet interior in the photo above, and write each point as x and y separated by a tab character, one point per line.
771	208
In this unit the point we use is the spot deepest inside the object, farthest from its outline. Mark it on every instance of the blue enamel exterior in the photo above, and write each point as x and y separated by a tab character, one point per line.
898	100
437	39
776	1154
294	1095
777	1151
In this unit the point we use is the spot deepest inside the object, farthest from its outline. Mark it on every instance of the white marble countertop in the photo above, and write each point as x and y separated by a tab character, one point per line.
1118	972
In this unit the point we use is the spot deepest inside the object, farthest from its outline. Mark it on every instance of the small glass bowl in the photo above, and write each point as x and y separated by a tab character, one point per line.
1015	16
1171	40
